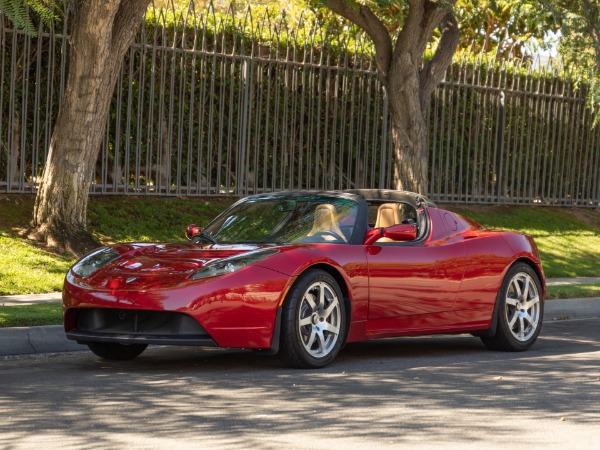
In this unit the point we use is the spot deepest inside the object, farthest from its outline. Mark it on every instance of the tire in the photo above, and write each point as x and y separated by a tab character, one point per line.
520	313
313	326
117	352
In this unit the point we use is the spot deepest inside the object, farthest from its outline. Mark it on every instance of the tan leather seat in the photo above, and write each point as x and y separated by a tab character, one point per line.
388	214
326	220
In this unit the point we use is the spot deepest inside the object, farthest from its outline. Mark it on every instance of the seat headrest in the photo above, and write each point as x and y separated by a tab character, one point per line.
388	214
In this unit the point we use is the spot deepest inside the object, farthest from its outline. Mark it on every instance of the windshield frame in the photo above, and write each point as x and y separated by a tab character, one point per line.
360	226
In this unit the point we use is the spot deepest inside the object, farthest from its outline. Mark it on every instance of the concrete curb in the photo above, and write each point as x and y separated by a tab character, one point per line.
35	340
51	339
574	308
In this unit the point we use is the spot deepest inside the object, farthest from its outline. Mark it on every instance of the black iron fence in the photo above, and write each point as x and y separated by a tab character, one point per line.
209	105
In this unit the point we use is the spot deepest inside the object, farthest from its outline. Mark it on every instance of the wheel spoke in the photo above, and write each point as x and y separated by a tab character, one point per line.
321	295
526	289
511	301
305	321
521	332
531	303
311	339
334	304
517	287
321	342
512	322
529	319
310	299
332	329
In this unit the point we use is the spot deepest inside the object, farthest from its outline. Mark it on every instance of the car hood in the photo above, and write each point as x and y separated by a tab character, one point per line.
152	266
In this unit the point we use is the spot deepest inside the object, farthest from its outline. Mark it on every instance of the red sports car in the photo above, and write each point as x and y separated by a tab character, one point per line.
299	274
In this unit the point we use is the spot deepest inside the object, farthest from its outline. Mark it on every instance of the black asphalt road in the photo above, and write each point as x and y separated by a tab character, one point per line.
430	392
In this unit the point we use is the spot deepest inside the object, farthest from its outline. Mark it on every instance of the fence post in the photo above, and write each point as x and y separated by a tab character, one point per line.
385	132
500	144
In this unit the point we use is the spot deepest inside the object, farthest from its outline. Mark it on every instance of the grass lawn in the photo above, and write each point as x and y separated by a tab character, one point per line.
31	315
576	291
568	239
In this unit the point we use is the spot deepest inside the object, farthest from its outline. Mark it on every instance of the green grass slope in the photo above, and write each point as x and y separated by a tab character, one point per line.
568	239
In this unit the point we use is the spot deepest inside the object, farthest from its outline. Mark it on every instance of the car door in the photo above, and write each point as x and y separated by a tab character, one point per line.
414	279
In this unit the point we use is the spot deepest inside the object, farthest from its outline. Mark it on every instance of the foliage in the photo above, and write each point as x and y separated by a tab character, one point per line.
25	13
579	25
506	28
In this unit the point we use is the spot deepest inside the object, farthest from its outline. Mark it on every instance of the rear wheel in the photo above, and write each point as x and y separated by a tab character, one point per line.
113	351
313	321
520	311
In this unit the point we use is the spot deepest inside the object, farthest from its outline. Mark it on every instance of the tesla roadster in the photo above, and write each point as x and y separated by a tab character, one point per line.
299	274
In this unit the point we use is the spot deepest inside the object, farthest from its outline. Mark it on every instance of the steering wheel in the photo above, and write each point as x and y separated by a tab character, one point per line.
333	234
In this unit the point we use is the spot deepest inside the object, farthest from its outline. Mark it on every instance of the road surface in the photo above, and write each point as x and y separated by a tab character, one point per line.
426	392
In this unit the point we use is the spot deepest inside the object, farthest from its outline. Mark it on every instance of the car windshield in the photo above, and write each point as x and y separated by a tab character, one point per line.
286	219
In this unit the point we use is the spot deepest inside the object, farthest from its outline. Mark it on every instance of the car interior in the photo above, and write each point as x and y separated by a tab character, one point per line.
381	215
325	221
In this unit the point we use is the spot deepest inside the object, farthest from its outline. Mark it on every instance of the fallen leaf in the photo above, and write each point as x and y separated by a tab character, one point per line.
563	419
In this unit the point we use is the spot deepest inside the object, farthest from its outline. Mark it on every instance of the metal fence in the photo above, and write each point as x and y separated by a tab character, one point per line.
217	106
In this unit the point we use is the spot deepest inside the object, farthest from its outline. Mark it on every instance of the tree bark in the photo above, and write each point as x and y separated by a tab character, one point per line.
102	32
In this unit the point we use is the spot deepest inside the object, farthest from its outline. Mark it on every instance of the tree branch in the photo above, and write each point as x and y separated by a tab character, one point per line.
433	72
126	24
362	16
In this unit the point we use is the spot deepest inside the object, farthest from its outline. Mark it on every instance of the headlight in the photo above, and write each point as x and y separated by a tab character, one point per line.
94	261
231	264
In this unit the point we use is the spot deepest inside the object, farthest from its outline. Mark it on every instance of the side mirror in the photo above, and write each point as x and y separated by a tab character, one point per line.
401	232
192	230
398	233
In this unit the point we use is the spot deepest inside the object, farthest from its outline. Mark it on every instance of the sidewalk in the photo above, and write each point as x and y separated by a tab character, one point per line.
572	281
30	299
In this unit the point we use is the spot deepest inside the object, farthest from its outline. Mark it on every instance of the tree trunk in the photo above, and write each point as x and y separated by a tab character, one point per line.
102	32
409	130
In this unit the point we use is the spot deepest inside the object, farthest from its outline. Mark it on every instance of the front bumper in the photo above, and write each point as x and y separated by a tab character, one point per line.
237	310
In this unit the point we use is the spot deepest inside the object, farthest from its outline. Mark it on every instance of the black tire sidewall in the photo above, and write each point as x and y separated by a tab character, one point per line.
503	326
116	351
297	355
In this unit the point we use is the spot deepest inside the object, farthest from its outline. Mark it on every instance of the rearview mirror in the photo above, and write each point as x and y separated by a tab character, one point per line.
192	230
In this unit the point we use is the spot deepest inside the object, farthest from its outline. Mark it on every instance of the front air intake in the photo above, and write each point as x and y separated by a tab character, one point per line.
148	323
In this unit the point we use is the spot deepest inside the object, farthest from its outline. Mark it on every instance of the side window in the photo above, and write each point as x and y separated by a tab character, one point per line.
408	214
386	214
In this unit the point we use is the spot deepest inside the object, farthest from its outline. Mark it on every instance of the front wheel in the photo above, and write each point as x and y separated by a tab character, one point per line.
520	311
113	351
313	321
